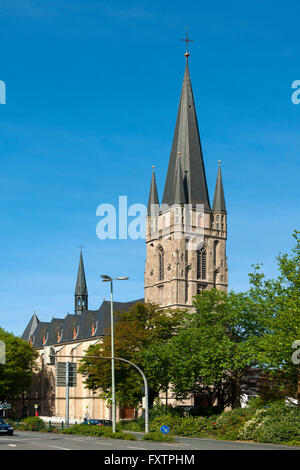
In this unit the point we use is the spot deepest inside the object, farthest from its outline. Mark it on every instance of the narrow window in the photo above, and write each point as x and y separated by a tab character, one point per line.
161	263
216	252
201	264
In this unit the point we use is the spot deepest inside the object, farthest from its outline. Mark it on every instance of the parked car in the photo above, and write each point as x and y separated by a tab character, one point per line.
98	422
6	428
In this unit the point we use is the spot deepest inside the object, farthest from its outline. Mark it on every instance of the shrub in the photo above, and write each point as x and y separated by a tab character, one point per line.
97	431
137	424
33	423
158	437
195	427
274	423
228	425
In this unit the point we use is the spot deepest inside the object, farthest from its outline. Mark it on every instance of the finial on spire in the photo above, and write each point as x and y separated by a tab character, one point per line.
187	40
220	161
81	248
153	166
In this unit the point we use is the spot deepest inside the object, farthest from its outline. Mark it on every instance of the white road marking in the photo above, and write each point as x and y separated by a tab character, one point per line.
103	444
12	445
57	447
138	448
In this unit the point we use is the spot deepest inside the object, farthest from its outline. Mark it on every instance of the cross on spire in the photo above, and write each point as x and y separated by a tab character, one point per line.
187	40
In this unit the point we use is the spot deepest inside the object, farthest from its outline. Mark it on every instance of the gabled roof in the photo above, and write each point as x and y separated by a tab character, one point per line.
99	319
187	141
219	199
30	328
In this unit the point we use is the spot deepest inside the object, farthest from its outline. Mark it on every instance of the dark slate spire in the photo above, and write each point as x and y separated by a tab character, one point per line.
187	141
81	292
219	199
179	193
153	202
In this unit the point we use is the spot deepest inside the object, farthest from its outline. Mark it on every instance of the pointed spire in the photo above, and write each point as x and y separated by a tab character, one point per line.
187	141
179	193
81	292
219	199
81	288
153	201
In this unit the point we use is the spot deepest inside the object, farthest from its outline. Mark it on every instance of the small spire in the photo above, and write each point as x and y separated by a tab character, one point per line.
153	201
219	199
81	292
81	288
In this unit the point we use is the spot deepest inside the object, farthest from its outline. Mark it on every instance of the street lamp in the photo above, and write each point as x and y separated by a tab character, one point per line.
106	278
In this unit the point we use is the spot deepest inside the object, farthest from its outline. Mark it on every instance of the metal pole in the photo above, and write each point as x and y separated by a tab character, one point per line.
67	394
113	387
140	371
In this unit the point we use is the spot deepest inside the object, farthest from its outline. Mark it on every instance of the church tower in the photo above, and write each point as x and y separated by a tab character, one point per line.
185	237
81	292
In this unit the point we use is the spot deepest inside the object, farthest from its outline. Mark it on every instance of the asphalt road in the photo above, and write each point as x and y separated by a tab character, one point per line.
26	440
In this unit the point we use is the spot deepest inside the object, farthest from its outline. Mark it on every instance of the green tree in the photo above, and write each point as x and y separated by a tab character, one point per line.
279	300
214	351
144	325
19	367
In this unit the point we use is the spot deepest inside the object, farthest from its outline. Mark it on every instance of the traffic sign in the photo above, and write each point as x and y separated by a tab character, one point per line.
61	375
165	429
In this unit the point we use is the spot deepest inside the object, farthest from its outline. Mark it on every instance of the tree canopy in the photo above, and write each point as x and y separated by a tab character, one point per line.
19	367
144	325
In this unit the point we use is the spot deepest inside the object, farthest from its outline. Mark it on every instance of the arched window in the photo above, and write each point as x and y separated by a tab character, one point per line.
161	263
201	264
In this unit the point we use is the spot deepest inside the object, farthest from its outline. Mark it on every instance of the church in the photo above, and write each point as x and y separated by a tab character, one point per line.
176	269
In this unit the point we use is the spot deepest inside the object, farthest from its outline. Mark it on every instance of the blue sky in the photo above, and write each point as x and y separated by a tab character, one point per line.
92	95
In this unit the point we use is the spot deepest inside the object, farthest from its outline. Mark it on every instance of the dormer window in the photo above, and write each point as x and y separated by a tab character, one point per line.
58	336
75	332
44	338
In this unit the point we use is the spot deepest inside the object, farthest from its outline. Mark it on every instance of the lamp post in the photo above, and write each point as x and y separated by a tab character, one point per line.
106	278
